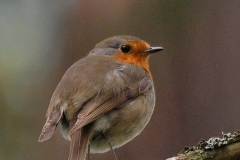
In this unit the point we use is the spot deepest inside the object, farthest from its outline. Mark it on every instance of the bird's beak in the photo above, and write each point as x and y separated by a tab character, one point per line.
153	49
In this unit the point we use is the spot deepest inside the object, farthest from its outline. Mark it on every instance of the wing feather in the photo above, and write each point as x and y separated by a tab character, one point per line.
97	111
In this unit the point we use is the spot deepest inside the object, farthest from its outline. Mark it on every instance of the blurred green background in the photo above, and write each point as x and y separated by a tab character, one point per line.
197	76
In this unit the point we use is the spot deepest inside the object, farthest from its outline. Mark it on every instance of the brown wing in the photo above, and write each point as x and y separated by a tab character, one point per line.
89	114
92	110
80	133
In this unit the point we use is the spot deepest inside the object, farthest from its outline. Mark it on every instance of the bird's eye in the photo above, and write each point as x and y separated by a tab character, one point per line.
125	48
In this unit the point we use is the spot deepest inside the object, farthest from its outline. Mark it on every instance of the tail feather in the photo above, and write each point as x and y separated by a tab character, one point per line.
79	144
50	125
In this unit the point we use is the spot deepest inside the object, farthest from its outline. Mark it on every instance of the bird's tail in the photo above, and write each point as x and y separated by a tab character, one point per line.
50	125
80	143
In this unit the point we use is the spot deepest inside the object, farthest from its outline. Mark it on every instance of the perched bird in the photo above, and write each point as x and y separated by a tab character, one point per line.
103	100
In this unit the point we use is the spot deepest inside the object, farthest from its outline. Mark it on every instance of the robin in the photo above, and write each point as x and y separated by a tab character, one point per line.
103	100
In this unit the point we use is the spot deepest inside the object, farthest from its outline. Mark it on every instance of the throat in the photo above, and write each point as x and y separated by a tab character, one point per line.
144	64
139	60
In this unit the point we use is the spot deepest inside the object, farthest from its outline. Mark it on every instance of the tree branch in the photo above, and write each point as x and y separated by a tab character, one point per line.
225	148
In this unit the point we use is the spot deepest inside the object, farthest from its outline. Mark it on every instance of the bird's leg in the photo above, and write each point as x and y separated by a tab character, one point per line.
109	143
114	155
88	154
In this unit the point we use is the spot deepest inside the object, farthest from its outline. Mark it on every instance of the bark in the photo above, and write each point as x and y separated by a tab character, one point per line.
225	148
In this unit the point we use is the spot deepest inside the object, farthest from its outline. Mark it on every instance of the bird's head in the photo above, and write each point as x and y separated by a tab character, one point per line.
127	49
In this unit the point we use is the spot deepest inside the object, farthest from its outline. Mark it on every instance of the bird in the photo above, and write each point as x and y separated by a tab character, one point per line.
105	99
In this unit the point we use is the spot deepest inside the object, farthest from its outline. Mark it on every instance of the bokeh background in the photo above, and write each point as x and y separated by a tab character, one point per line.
197	76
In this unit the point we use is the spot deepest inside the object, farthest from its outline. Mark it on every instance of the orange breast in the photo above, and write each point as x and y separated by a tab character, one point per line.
135	58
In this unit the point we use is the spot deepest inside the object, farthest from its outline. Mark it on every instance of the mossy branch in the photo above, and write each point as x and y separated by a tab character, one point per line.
225	148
